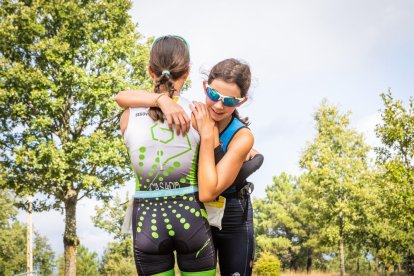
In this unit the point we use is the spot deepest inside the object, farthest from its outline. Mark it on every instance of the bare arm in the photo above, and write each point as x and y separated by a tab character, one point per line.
214	179
124	121
173	112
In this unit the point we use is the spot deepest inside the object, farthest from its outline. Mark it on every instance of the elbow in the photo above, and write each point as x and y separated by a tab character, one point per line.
118	99
205	196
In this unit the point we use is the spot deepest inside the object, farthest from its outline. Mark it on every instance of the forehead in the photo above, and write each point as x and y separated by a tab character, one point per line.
225	88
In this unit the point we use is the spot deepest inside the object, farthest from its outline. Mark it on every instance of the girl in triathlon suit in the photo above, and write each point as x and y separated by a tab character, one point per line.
167	214
225	145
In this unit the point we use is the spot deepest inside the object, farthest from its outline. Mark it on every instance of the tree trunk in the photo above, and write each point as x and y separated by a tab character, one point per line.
342	255
309	261
70	239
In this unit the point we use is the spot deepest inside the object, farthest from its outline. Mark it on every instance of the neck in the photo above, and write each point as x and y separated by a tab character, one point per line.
224	123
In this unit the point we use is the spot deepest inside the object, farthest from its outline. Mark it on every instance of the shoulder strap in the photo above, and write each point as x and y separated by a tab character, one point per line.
228	133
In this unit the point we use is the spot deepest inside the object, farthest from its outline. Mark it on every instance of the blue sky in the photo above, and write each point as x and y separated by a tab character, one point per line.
299	52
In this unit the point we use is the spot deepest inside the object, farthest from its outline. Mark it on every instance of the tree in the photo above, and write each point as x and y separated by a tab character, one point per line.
61	62
335	180
396	160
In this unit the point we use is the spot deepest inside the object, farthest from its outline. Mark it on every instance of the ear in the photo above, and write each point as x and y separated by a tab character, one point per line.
242	102
152	74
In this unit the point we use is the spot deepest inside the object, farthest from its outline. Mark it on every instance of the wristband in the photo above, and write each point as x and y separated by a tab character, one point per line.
156	100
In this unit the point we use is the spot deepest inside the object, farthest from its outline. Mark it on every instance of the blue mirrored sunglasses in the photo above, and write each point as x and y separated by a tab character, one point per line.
215	96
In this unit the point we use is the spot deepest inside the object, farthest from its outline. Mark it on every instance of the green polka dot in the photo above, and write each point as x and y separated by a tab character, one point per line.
166	220
144	213
181	205
141	157
184	197
165	173
175	202
165	197
161	178
177	164
156	204
178	215
160	153
154	228
154	215
174	196
141	218
154	235
154	221
169	226
150	173
154	167
139	229
140	178
197	214
147	208
182	220
141	164
171	169
164	215
186	226
157	160
187	207
174	211
171	233
157	198
147	180
182	180
190	198
169	206
142	149
162	209
192	210
139	223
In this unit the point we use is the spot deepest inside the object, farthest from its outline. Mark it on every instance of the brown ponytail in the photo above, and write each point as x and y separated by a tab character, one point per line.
169	60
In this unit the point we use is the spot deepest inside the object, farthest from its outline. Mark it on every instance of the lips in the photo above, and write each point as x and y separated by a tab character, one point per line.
218	113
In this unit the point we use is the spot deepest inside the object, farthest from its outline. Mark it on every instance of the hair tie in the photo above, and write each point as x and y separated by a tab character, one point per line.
166	72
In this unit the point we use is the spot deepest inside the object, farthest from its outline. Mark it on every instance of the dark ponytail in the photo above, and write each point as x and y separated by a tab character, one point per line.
169	60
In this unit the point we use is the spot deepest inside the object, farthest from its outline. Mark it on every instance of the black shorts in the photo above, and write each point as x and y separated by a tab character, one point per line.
164	225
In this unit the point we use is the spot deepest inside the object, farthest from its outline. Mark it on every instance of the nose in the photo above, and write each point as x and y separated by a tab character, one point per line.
219	105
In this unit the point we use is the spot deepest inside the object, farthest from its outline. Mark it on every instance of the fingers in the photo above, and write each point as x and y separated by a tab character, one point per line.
177	124
169	121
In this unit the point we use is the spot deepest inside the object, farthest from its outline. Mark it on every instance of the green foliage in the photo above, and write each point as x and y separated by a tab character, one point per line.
13	243
267	265
118	258
86	263
110	217
395	239
62	65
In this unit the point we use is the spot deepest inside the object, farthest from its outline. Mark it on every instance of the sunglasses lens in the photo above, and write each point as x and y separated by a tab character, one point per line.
230	102
212	94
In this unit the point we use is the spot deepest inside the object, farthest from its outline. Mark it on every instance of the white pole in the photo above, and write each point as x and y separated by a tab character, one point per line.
29	238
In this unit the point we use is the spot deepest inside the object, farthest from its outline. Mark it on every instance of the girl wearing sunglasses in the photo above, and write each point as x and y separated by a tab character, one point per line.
226	143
